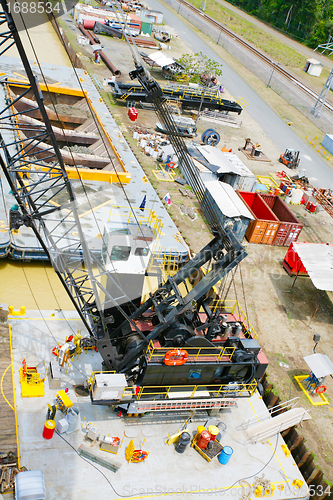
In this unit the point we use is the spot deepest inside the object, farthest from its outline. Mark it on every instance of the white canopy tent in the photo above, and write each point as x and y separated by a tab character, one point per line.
317	258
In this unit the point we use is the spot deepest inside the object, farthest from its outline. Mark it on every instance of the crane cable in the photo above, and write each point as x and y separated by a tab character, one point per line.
99	132
111	160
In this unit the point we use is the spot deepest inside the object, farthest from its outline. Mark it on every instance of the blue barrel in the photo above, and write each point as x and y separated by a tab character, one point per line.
225	455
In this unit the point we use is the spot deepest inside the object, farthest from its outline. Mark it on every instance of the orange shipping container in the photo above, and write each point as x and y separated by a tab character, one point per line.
265	226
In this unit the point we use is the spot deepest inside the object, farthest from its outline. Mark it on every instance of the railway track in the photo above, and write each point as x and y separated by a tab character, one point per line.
269	62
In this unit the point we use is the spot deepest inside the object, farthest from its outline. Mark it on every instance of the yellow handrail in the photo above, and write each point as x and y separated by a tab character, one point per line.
213	352
164	390
235	309
92	377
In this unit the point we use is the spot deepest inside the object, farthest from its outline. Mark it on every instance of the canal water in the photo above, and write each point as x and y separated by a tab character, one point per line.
35	285
42	40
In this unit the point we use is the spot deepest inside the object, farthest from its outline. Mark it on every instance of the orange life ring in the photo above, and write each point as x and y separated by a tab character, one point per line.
175	357
321	389
56	349
171	164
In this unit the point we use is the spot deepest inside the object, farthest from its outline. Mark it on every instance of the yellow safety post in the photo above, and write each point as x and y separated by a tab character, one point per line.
21	312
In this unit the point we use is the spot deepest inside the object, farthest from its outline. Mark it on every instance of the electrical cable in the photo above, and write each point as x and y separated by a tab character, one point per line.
99	132
159	492
90	463
256	473
45	322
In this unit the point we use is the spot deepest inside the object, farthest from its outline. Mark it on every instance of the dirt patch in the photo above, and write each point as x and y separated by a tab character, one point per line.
66	109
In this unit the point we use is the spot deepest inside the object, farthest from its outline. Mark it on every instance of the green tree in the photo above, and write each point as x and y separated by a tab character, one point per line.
199	68
310	21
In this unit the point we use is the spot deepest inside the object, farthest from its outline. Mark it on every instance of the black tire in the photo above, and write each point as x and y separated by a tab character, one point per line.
213	138
205	133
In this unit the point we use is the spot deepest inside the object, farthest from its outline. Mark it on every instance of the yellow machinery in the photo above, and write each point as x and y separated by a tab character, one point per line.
63	401
32	380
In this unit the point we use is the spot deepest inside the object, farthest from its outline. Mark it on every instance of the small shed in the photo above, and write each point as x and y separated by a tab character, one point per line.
225	167
146	28
313	67
227	206
328	143
150	16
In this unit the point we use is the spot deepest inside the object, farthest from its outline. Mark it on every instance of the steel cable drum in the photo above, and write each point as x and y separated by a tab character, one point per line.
203	135
210	137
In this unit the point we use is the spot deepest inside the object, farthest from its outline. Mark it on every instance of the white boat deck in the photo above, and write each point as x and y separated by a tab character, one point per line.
165	472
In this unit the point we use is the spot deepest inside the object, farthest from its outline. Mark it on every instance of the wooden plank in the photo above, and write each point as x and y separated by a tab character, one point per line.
325	489
301	455
298	441
291	437
315	477
306	463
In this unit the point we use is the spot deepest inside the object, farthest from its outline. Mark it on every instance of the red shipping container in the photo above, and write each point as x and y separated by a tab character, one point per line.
263	229
290	227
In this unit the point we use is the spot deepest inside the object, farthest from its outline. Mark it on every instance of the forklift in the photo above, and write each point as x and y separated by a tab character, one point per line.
290	158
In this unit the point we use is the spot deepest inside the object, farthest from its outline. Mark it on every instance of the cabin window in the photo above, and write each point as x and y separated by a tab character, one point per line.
120	253
119	231
142	252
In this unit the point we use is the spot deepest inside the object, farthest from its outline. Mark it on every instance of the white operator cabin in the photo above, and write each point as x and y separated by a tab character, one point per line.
126	252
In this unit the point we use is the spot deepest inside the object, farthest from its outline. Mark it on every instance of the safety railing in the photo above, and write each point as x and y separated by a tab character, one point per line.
233	389
165	259
142	216
233	307
215	390
214	354
93	377
191	92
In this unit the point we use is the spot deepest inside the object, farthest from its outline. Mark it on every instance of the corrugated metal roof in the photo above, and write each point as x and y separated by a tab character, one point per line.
227	200
317	258
161	59
224	162
319	364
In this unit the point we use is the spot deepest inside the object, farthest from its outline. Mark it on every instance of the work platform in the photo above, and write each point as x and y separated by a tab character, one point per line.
164	472
103	196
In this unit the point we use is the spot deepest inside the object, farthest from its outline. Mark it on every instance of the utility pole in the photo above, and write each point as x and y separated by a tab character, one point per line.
203	5
316	110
